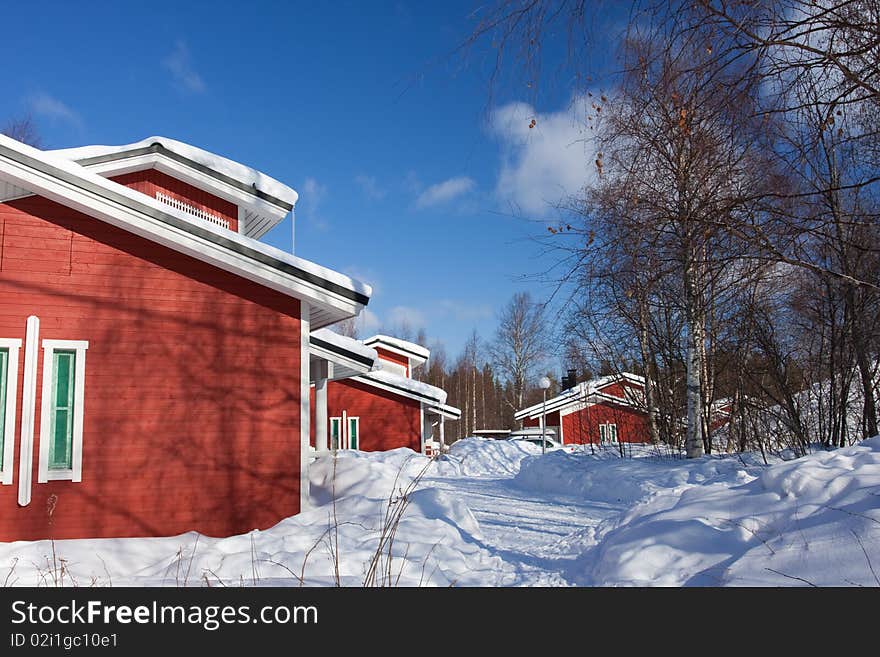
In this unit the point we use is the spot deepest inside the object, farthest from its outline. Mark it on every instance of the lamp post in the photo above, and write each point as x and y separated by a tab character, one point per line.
544	383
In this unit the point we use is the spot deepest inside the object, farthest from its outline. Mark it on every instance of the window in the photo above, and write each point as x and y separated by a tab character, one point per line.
61	420
354	425
335	432
608	433
8	386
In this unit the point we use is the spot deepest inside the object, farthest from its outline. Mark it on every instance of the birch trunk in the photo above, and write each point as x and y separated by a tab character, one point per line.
647	359
694	432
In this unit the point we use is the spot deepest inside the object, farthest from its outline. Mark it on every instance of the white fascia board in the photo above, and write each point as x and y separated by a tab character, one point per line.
581	392
192	177
449	412
397	391
380	341
337	359
142	224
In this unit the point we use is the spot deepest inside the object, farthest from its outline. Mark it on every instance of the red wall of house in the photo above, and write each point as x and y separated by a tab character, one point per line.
394	358
552	420
582	426
192	382
621	389
387	421
151	181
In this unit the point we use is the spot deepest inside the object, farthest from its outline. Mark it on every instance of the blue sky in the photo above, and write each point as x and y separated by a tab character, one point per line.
409	178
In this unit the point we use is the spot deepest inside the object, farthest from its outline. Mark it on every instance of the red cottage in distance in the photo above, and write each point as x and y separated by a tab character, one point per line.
384	408
154	357
610	409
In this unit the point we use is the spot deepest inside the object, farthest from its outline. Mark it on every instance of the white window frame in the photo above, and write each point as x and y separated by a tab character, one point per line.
75	472
340	435
608	433
13	345
357	420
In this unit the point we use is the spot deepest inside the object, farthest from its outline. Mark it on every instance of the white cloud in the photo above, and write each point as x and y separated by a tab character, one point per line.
406	316
544	164
463	312
445	191
180	64
313	194
370	186
313	191
367	323
50	107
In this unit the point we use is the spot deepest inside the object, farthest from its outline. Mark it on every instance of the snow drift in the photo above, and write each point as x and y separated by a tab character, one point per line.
810	521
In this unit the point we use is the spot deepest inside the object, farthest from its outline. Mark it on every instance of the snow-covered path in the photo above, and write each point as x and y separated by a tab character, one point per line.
541	539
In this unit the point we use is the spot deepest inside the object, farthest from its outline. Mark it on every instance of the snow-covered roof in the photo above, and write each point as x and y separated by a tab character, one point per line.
343	343
349	357
415	352
580	393
332	296
405	386
262	201
251	177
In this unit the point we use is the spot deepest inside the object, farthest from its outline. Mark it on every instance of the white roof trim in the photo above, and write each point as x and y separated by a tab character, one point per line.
240	172
68	183
416	353
345	352
449	412
582	393
404	387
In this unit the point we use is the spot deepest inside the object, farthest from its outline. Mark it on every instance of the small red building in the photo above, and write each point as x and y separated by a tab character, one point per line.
610	409
154	357
383	408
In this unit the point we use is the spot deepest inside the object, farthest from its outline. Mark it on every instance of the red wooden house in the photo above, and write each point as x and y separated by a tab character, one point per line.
383	408
154	357
609	409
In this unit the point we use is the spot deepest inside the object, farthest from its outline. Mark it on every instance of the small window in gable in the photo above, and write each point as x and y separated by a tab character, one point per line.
61	420
193	210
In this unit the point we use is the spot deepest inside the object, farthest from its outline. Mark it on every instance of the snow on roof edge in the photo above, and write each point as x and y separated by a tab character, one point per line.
231	168
71	167
404	345
581	391
349	344
410	385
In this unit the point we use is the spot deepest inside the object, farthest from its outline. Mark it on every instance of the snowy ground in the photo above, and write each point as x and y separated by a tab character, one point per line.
494	513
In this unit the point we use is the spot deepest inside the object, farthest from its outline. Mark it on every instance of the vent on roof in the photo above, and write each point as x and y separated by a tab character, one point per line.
191	209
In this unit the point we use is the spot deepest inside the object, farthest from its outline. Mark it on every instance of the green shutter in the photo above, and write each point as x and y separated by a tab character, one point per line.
4	365
61	445
353	433
335	423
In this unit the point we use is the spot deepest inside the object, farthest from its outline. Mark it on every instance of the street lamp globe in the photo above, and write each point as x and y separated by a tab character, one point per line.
544	383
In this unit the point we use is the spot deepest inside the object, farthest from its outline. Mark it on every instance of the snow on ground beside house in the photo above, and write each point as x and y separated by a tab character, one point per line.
605	476
480	457
498	513
436	541
813	520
